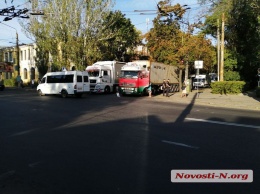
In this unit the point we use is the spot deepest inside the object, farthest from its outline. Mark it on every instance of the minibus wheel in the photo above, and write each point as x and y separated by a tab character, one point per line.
40	93
64	94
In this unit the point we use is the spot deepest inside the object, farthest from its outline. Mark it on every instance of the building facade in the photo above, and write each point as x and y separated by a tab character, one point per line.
25	68
28	69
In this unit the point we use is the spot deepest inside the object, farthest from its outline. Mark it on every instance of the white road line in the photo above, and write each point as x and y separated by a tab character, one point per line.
7	174
32	165
223	123
22	133
180	144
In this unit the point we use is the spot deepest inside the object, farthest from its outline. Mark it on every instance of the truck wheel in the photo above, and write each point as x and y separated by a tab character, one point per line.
64	94
145	92
107	90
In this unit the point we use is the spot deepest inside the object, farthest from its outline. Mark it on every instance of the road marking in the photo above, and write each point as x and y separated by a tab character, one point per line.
7	174
180	144
32	165
223	123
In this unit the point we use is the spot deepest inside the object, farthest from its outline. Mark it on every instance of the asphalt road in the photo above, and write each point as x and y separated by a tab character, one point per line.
105	144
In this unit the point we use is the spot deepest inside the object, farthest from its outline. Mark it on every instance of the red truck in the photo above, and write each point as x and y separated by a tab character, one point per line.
137	76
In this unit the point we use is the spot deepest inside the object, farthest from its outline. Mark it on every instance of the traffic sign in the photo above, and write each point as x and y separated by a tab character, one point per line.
198	64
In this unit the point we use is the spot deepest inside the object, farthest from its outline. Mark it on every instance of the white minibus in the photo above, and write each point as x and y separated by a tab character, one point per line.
64	83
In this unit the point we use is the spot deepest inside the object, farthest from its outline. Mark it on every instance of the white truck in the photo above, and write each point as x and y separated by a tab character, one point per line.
64	83
202	81
104	76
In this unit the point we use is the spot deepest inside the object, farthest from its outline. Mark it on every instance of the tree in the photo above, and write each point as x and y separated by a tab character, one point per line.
168	44
70	30
244	26
123	36
242	34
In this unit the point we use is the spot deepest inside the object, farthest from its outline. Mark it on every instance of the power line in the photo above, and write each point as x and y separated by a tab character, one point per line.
12	12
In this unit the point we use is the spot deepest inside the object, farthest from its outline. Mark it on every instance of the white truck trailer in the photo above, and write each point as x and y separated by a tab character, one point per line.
104	76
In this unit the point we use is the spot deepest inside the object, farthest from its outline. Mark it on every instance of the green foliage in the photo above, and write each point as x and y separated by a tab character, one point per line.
245	38
123	36
10	82
242	35
78	33
228	87
168	44
231	76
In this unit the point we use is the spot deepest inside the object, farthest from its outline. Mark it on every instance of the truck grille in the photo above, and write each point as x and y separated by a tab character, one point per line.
127	84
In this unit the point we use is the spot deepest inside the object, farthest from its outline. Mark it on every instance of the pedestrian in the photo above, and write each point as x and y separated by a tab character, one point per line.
164	86
168	86
184	91
150	90
32	83
118	91
21	84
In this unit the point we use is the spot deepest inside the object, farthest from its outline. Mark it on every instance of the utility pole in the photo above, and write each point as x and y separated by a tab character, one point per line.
218	46
17	54
221	76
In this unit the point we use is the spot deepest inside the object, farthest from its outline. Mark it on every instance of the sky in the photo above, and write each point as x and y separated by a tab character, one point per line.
127	7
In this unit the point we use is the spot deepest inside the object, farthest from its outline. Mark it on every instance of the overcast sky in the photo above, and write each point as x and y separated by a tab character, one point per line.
127	7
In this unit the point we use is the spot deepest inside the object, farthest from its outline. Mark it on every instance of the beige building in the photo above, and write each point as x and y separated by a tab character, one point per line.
28	69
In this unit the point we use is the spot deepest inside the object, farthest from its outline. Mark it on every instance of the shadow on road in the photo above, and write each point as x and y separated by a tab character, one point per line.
105	144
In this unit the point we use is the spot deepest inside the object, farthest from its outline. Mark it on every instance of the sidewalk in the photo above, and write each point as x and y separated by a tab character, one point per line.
240	101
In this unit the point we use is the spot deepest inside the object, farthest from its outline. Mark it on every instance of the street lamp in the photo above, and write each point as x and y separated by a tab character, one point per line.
17	48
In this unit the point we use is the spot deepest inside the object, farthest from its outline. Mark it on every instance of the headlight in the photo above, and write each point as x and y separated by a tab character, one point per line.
97	87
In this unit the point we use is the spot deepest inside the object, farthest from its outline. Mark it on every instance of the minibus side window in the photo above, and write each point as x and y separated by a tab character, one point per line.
43	80
68	79
85	78
79	78
60	79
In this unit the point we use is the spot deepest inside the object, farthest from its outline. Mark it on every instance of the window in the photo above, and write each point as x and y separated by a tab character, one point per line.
60	79
10	57
24	55
105	73
93	73
32	73
85	78
8	75
21	55
67	79
43	80
6	57
28	54
79	78
25	73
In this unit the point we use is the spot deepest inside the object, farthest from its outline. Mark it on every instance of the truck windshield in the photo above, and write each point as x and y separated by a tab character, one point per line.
129	74
93	73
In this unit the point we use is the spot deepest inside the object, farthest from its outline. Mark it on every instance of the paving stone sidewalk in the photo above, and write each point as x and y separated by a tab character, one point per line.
247	100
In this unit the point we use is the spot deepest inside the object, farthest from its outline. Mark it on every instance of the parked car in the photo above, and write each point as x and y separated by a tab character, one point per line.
2	87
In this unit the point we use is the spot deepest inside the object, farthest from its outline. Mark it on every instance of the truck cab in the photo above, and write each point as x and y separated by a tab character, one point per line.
104	76
134	79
